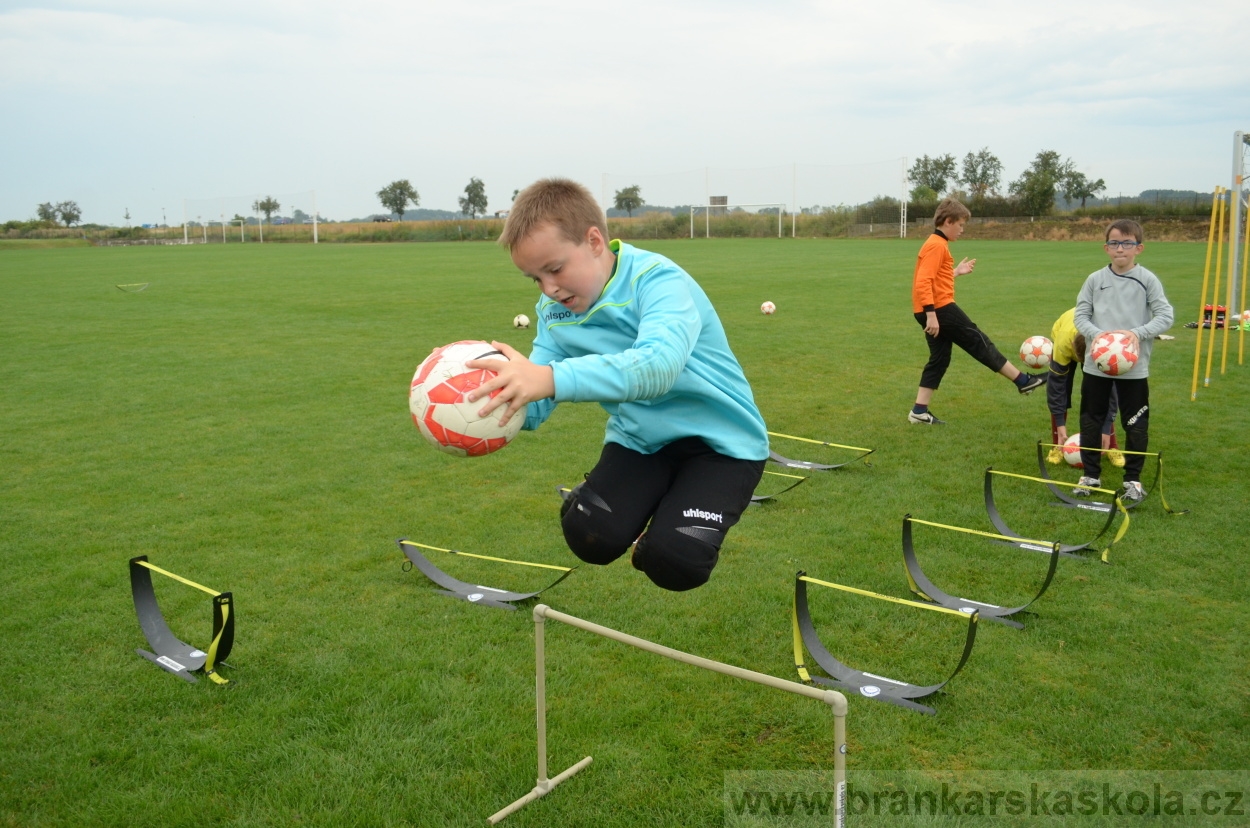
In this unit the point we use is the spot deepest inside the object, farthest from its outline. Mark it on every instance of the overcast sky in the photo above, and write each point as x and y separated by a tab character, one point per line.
141	105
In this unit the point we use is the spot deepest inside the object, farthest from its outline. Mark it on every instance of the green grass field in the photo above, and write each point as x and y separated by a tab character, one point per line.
243	423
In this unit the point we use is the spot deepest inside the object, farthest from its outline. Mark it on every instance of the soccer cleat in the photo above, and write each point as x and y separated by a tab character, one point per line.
1133	492
926	418
1084	485
1056	455
1116	458
1035	382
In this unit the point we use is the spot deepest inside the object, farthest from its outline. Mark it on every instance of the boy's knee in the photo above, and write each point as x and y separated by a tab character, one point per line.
588	529
678	559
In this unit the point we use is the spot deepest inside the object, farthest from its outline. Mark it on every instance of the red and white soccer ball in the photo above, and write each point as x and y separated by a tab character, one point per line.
437	401
1072	451
1114	353
1037	351
768	308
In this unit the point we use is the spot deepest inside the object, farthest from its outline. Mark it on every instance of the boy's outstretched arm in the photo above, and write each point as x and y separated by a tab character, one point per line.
519	381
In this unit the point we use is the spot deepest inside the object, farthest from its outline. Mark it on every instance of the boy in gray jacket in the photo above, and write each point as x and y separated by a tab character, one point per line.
1126	298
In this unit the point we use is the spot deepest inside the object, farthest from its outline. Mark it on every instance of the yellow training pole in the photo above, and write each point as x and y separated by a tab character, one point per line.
1233	230
1245	323
1202	300
1215	293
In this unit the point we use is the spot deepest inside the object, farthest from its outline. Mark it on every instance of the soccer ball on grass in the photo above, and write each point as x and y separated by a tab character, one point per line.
437	400
1037	351
520	321
768	308
1114	353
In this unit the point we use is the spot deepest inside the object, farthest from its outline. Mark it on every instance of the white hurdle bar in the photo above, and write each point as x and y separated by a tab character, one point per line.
835	700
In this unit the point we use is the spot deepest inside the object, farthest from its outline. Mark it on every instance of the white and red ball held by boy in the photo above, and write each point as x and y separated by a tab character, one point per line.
1114	353
1037	351
437	400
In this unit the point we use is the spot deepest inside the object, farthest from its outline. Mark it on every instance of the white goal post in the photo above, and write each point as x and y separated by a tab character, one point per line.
726	209
299	208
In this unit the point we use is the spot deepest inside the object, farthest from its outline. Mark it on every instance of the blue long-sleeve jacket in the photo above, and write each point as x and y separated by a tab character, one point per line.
652	351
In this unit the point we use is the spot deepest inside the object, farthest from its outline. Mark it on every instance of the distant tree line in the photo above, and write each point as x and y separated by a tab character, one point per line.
1033	193
64	212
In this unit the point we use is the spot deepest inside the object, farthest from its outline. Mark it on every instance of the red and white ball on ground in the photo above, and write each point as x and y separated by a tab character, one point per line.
1037	351
768	308
1114	353
437	401
1072	451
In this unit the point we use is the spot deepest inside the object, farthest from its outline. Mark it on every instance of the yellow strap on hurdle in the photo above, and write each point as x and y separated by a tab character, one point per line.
1044	480
1120	532
816	442
798	642
1103	451
210	664
211	592
488	557
780	474
890	598
982	534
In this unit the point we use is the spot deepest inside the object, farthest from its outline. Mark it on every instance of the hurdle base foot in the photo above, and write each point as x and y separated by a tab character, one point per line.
539	790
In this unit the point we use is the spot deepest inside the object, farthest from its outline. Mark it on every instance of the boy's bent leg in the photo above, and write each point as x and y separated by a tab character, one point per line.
956	326
708	495
1135	414
603	516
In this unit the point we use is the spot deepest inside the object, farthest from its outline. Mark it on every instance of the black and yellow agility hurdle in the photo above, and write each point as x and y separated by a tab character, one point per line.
473	593
923	587
809	465
760	498
868	685
1096	506
171	653
1067	550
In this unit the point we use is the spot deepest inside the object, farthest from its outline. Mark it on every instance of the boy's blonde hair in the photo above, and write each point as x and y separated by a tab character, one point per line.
950	210
1127	227
557	201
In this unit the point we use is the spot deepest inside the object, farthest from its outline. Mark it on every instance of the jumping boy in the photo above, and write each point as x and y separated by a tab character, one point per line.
1126	298
1068	355
944	323
685	443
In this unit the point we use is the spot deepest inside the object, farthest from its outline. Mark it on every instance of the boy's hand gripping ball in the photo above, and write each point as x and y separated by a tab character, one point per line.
1037	351
437	400
1114	353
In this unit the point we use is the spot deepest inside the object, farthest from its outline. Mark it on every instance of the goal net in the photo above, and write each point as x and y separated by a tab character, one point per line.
253	218
871	194
737	220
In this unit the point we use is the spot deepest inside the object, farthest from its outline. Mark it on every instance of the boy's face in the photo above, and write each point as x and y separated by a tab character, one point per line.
1122	257
953	228
572	274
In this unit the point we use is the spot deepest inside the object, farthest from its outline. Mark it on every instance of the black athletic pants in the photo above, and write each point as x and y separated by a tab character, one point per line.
1134	398
689	493
955	328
